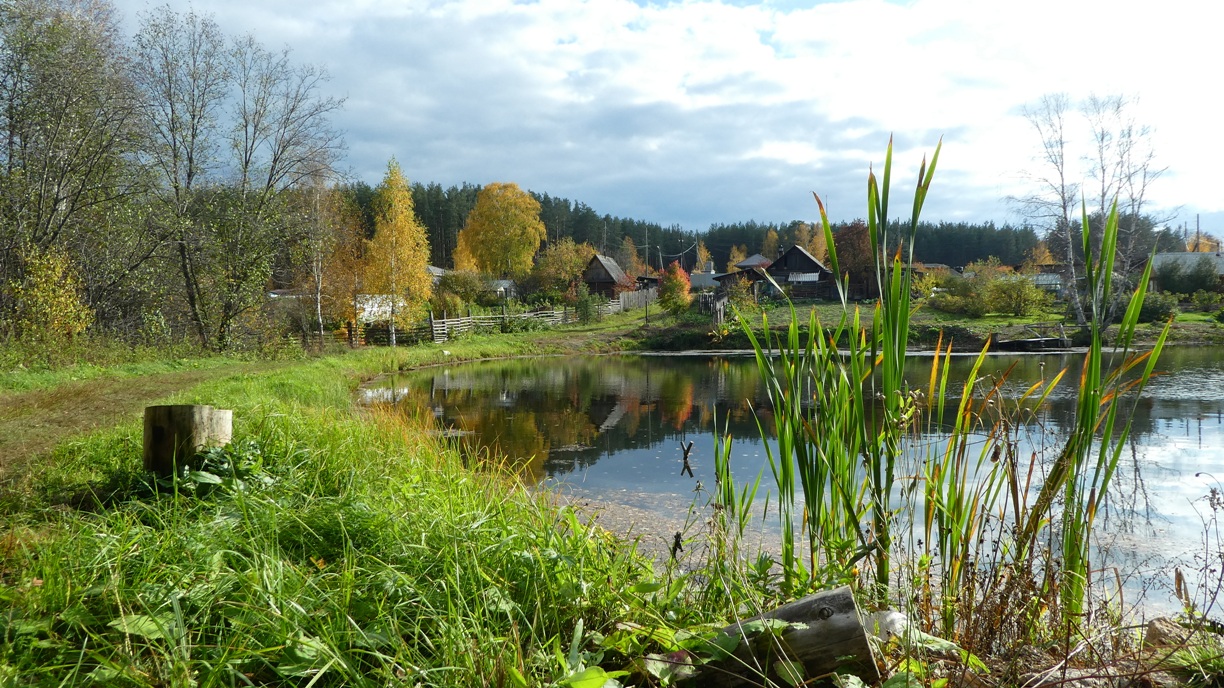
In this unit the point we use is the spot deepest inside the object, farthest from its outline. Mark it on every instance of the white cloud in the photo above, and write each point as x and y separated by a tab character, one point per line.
700	111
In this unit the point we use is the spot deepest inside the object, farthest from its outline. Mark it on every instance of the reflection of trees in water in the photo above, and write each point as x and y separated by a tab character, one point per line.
572	411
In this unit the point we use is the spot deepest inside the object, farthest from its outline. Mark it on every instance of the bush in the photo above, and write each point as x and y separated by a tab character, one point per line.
586	305
674	294
446	302
1015	295
1158	306
523	325
971	305
1207	301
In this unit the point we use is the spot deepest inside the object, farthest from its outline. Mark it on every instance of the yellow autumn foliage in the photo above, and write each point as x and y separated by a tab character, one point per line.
502	232
398	255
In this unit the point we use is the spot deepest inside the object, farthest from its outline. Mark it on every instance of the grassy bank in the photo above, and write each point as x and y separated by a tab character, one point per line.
326	546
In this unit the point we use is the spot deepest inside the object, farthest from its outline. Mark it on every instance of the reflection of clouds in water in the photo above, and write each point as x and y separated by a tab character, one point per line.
382	395
1196	383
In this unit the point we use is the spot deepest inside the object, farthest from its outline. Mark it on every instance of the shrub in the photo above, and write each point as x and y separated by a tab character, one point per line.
586	305
1015	295
969	305
1158	306
1207	301
446	302
674	294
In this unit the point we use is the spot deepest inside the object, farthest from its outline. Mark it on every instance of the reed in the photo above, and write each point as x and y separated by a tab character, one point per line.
871	475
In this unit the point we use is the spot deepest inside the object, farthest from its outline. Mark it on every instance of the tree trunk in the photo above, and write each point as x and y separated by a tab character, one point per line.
834	640
173	435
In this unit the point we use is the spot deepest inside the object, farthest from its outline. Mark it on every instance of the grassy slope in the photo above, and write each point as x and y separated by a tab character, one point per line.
337	545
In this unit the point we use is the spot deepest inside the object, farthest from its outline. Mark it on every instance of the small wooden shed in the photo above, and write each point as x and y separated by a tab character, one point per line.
801	274
602	276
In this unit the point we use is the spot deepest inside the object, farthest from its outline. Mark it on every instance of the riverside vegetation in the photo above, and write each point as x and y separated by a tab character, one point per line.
330	545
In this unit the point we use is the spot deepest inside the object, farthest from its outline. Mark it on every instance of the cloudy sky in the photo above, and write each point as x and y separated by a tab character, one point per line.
707	111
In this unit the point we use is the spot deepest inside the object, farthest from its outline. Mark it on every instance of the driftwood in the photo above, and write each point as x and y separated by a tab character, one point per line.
174	435
830	638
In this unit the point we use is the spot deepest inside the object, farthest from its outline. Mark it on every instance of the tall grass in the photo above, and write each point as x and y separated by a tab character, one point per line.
323	548
887	481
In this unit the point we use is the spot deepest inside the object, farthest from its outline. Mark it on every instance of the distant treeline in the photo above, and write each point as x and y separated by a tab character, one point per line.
444	210
953	243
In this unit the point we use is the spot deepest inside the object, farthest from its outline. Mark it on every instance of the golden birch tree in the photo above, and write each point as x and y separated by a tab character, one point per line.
703	257
769	245
562	264
503	231
399	252
345	267
738	254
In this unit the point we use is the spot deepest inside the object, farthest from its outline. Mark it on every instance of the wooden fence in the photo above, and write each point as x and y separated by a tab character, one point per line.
445	328
442	329
713	304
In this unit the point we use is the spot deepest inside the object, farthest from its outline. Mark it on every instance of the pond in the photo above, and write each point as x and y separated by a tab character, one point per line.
613	427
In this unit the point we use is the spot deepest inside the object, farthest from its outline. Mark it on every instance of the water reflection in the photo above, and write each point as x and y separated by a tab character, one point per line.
614	426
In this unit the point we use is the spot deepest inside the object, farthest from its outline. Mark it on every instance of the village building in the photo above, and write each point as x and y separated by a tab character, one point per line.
603	276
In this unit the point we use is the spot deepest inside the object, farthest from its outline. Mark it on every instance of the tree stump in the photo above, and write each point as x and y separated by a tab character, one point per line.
174	435
834	640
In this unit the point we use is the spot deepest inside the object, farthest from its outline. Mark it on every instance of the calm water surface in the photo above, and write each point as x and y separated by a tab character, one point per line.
612	428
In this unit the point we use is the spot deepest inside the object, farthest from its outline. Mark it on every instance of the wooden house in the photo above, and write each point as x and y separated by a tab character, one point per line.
603	276
801	275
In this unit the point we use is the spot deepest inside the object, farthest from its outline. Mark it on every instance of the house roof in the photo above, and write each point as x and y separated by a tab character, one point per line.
1047	279
702	280
609	266
782	262
755	260
1188	260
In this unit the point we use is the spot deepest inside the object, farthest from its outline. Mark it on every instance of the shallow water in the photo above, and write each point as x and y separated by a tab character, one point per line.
614	427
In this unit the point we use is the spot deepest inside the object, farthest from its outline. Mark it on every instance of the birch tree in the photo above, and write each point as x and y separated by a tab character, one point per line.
399	252
1054	201
503	232
68	137
236	130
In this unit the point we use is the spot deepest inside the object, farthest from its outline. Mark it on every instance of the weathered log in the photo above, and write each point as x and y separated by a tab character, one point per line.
174	435
829	638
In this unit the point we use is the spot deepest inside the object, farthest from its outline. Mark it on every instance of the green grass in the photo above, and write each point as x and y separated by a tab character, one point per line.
1196	317
327	546
323	546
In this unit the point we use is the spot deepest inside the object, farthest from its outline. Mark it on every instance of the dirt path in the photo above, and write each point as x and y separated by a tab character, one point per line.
33	423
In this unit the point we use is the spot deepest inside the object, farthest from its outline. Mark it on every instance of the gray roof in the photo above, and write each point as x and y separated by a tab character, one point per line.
1188	260
610	266
755	260
702	280
1046	279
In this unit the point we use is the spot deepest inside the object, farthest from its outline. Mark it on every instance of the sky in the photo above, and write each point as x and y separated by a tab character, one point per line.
705	111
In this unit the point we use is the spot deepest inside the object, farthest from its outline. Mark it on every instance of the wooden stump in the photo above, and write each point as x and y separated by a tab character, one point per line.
174	435
834	640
